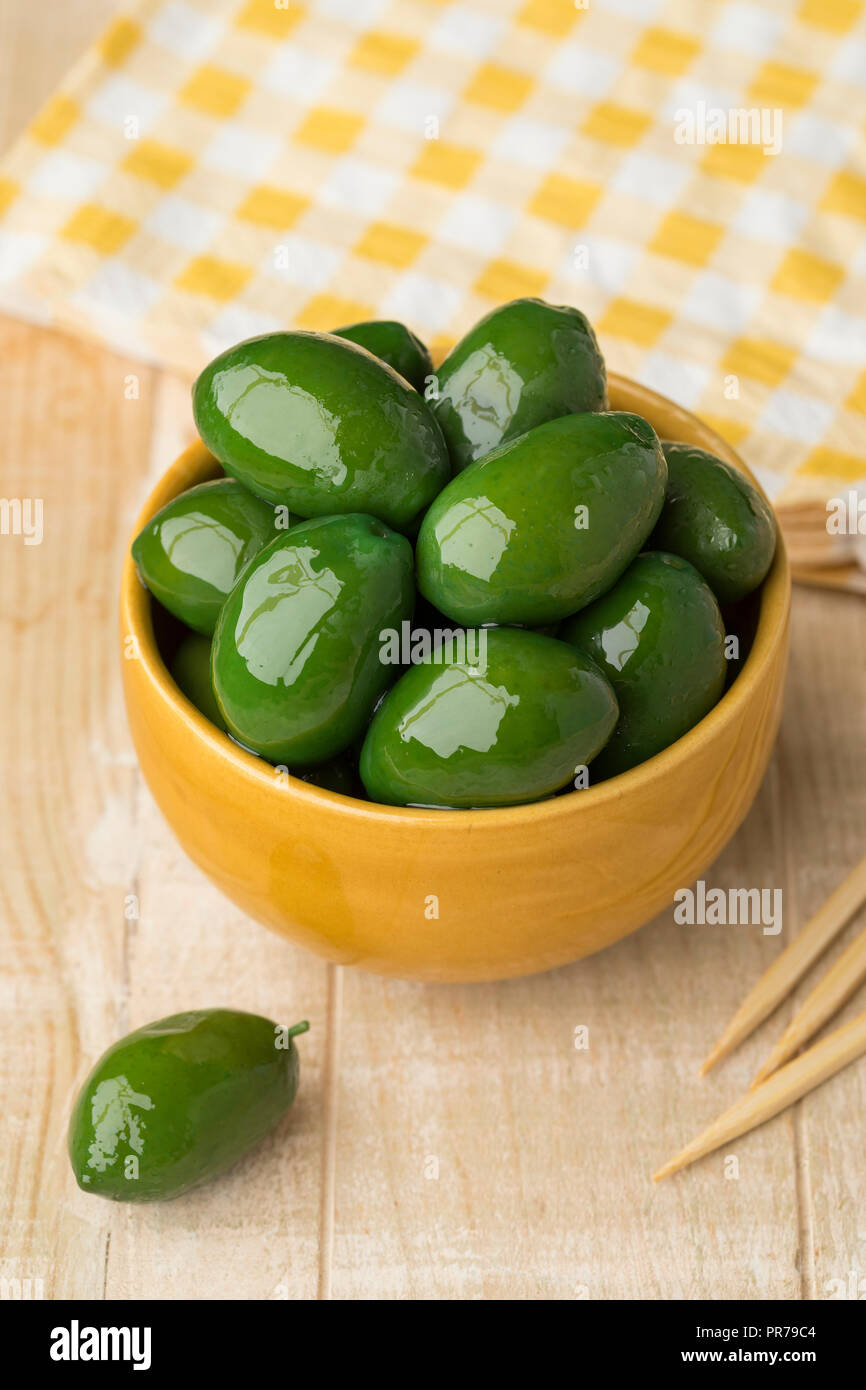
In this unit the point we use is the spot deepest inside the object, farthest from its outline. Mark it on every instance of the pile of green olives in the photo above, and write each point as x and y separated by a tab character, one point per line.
468	587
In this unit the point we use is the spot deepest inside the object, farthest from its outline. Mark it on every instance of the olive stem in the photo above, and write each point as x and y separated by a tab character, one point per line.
303	1027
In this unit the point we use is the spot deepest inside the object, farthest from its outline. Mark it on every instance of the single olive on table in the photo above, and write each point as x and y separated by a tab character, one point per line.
177	1102
454	587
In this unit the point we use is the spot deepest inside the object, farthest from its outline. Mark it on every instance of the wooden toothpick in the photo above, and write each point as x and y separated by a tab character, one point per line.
781	1090
792	964
825	999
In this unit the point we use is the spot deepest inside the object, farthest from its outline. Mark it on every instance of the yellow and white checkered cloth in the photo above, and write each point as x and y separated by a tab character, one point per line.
219	168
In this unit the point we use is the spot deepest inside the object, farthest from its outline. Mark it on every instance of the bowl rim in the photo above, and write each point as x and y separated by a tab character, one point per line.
136	623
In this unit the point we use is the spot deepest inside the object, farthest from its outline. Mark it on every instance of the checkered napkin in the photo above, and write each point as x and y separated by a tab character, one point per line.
214	169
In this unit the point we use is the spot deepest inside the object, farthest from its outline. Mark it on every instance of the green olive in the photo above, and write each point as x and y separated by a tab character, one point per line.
175	1103
511	724
716	519
542	526
659	638
297	653
190	554
395	344
522	364
317	424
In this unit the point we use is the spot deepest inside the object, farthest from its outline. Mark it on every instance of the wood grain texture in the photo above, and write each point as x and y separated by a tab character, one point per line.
447	1142
823	759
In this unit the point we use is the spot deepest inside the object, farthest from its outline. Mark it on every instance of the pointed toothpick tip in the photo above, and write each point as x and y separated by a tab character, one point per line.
760	1077
672	1166
716	1055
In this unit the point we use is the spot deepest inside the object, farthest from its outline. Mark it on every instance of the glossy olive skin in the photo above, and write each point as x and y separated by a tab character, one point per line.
715	518
190	554
178	1101
522	364
514	730
318	424
659	638
507	540
296	656
394	343
190	670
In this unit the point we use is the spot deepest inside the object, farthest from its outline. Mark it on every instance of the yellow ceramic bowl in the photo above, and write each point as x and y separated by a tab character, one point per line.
455	895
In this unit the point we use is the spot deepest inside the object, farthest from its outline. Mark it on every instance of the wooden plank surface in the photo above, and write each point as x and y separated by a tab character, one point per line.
448	1142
